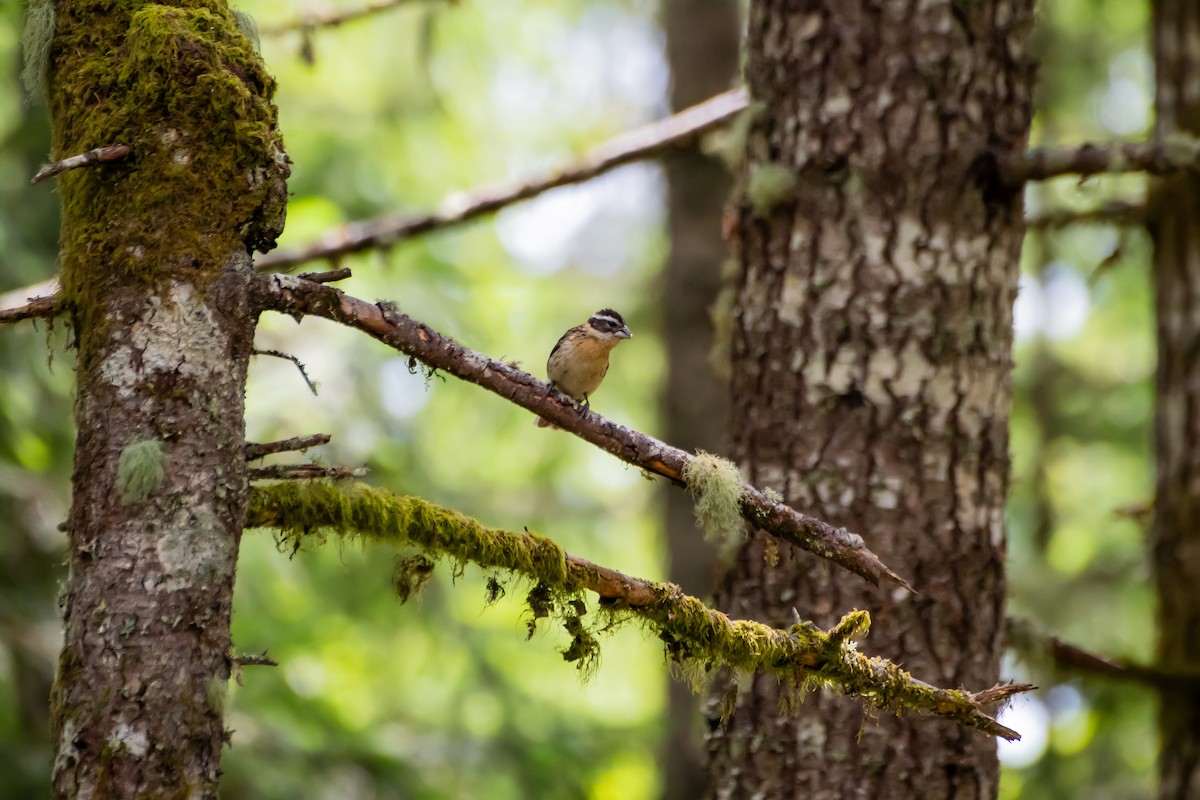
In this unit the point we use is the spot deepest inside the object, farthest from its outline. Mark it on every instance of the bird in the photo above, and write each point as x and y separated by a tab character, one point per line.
579	360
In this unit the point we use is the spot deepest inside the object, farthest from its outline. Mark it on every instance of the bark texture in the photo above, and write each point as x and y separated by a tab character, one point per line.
872	337
155	260
702	50
1174	226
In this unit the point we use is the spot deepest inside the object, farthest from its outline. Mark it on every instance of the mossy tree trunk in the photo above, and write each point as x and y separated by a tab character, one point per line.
702	49
871	369
1175	228
155	251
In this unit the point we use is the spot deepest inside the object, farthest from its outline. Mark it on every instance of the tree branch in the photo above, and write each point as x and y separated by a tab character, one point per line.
91	158
255	451
292	296
1114	212
302	472
36	308
677	130
1156	158
331	19
695	636
1041	646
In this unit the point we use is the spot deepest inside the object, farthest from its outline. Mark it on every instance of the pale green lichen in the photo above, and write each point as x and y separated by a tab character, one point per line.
216	691
249	28
721	315
140	470
730	143
35	47
769	186
716	485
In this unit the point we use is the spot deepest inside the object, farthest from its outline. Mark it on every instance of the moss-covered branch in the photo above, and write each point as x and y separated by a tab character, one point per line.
297	297
696	637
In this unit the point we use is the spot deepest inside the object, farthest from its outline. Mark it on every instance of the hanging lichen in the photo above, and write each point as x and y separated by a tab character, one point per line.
717	486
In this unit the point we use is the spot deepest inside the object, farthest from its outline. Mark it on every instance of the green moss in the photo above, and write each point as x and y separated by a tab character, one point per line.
769	186
185	89
717	486
140	470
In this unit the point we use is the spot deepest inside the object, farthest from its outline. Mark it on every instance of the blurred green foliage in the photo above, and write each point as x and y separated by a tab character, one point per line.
443	697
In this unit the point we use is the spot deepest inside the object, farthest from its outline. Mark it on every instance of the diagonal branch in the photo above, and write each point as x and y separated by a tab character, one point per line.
694	635
331	19
674	131
293	296
36	308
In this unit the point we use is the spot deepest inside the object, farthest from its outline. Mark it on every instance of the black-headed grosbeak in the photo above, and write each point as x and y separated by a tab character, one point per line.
579	361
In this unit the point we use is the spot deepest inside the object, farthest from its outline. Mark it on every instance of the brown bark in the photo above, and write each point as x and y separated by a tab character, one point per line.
702	50
1174	226
155	260
871	369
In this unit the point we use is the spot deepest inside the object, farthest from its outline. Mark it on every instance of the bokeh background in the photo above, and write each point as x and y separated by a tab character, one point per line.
444	697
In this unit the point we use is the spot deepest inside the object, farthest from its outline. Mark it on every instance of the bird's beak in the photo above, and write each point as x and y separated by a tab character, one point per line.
624	333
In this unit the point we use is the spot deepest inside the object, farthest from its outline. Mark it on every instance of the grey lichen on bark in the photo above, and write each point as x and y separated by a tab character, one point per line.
871	357
155	253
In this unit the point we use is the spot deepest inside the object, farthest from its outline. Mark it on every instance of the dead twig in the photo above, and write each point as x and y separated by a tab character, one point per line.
296	443
36	308
312	387
101	155
302	472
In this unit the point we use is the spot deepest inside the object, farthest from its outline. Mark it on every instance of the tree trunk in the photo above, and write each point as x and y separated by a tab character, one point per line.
702	49
1174	226
871	369
154	256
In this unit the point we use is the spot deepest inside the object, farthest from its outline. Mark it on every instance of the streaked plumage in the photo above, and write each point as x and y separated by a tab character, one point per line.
579	361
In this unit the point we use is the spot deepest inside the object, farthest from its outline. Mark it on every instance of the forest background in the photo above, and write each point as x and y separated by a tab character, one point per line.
443	697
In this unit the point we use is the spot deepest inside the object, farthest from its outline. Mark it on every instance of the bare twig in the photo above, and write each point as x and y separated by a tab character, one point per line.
1114	212
690	629
675	131
303	472
18	298
327	277
1156	158
332	19
312	387
91	158
36	308
290	295
260	660
255	450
